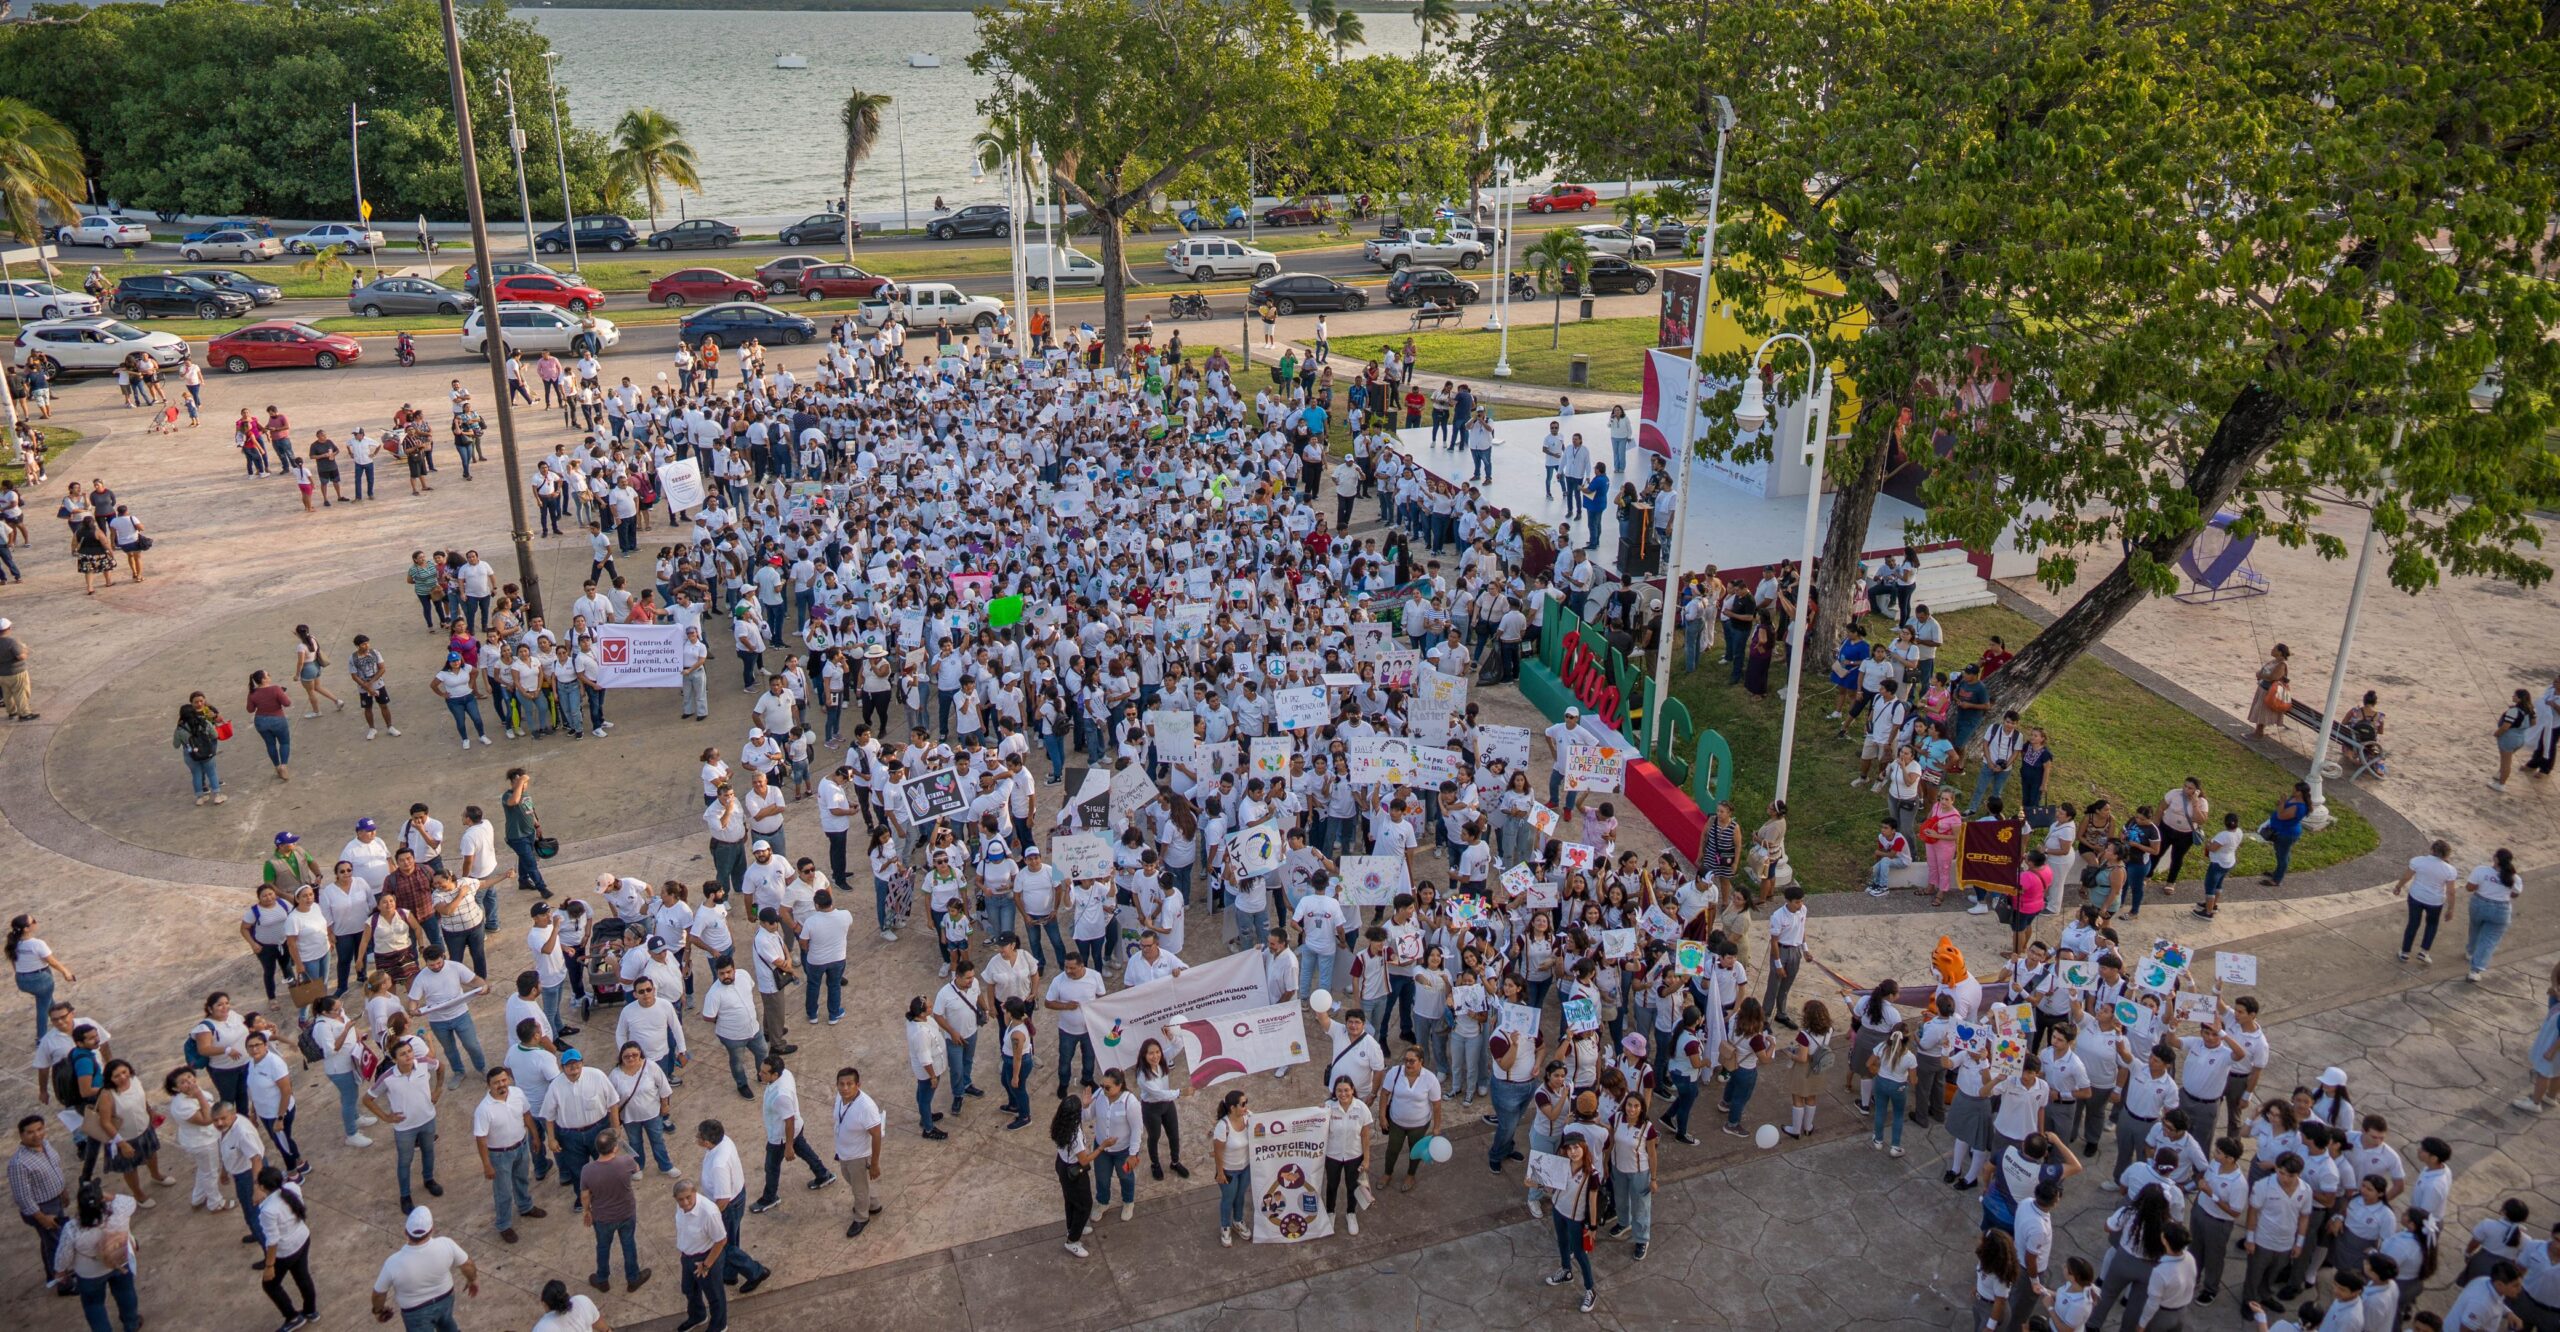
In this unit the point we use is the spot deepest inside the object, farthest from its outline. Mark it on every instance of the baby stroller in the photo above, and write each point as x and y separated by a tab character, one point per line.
607	940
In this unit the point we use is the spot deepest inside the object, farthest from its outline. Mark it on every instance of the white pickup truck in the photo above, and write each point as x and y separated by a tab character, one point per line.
1424	247
930	305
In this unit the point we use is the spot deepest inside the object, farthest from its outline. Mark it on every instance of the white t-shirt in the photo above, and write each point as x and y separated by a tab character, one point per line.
1409	1100
2429	877
580	1316
824	932
854	1121
1066	989
420	1271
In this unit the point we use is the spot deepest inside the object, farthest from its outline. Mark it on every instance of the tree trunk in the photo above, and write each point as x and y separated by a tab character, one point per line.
1115	281
848	217
1852	505
2250	426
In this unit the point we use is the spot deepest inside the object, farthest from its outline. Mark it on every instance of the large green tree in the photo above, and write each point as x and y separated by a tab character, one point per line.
223	106
649	149
2203	253
39	172
1123	96
860	118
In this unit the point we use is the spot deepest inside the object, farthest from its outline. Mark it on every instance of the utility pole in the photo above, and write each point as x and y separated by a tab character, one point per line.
355	159
560	154
515	145
492	345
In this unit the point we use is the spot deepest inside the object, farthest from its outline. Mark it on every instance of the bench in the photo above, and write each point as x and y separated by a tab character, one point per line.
2369	753
1435	315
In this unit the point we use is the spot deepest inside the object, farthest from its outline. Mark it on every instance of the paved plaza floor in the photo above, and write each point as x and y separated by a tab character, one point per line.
138	889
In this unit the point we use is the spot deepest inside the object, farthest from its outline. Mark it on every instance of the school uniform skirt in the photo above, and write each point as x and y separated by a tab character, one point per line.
1969	1121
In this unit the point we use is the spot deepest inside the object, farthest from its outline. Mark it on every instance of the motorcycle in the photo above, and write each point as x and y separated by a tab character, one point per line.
1522	288
407	350
1188	305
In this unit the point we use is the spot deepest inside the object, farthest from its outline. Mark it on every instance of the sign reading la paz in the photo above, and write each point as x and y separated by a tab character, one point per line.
1577	666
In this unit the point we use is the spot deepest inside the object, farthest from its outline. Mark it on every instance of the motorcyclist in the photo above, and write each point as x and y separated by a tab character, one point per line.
406	349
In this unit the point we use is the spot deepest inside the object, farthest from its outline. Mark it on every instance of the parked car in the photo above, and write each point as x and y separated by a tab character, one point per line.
91	343
1424	247
1669	233
1610	238
507	268
258	292
145	295
1297	213
930	305
1429	285
247	224
43	300
344	235
831	282
737	322
1193	219
240	247
699	233
702	286
546	289
407	295
783	274
1563	198
1044	266
1610	273
103	229
610	232
539	328
1290	293
1201	258
281	343
820	229
974	220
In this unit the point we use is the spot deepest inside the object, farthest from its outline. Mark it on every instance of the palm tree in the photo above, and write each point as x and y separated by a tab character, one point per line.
649	147
1320	16
1347	32
40	169
1436	18
861	134
326	262
1559	255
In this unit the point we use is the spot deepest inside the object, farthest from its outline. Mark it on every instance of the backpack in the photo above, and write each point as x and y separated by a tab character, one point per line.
309	1045
196	1059
66	1082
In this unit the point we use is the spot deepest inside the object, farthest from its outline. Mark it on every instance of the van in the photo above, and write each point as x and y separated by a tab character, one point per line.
1201	258
1042	264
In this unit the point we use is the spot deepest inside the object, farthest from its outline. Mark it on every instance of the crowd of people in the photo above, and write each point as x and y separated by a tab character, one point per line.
1024	579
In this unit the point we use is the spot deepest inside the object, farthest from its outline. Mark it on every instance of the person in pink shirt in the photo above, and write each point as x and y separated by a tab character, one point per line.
1939	832
2035	886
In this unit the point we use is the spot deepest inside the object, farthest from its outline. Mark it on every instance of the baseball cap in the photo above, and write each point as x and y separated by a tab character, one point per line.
995	851
287	838
4	623
364	825
657	943
762	845
1573	712
570	1055
421	1222
2333	1076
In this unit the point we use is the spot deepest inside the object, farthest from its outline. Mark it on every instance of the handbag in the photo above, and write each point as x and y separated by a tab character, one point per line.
222	729
2278	698
308	992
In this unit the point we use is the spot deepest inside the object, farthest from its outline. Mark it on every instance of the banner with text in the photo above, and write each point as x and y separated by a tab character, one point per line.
1288	1175
1122	1021
1256	1040
640	656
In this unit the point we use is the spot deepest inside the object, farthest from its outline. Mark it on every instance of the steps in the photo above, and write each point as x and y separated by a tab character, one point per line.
1948	582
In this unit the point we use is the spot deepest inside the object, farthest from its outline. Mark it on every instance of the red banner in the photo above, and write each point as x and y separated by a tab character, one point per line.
1991	854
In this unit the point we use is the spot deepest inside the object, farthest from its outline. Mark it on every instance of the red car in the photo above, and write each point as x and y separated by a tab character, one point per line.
1301	213
546	289
276	343
1563	198
706	286
837	281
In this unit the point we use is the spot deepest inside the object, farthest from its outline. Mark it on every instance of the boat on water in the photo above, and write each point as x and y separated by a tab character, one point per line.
923	60
791	60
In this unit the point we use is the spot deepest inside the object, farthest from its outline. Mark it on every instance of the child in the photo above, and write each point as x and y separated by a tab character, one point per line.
2077	1299
1600	829
955	933
302	482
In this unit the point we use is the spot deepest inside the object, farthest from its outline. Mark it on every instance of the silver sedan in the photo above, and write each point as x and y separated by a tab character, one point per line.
407	295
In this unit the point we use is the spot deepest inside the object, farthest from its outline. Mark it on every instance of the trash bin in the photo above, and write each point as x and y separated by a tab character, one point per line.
1586	307
1580	374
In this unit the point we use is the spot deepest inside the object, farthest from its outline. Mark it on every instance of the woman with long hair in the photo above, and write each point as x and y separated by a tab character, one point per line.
2140	1239
1575	1209
1231	1158
99	1245
308	662
1807	1056
124	1111
1876	1017
1160	1093
267	704
1075	1153
2493	889
1745	1045
1347	1129
285	1243
1888	1070
35	966
1995	1271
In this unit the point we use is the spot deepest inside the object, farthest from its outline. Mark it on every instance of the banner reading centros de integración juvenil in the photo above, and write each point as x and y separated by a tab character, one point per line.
640	656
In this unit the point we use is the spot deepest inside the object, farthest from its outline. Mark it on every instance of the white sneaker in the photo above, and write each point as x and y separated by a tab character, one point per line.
1351	1221
309	715
1534	1210
358	1140
1977	909
466	745
1128	1210
369	733
1226	1237
890	935
487	741
2496	785
364	1121
392	729
1078	1250
2526	1104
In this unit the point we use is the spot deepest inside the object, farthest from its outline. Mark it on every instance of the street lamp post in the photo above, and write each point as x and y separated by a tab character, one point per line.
1751	415
491	345
560	155
1681	461
355	162
906	217
515	145
1048	227
1503	219
1016	241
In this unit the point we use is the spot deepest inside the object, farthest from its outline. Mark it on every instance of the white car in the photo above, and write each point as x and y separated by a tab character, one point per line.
1607	238
94	342
1201	258
234	246
345	236
931	305
527	326
43	300
102	229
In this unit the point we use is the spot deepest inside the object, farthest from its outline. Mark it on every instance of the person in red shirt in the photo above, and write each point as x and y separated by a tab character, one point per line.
268	703
1414	401
1996	656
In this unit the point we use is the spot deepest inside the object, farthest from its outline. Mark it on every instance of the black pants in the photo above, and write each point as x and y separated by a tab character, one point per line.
1076	1183
296	1269
774	1152
1345	1177
835	856
2178	844
1160	1119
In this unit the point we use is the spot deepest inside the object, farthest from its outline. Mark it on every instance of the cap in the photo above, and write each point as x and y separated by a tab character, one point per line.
287	838
657	943
995	851
569	1054
421	1222
2333	1076
1633	1044
4	624
1573	712
605	880
364	825
762	845
755	733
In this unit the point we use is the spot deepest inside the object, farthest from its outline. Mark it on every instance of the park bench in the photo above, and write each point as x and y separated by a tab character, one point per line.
2367	750
1435	315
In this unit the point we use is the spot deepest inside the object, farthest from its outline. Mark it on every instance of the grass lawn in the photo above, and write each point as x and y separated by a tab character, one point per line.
2110	737
56	439
1616	348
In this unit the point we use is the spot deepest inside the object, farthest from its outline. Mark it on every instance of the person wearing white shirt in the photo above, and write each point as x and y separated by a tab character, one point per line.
1786	952
2172	1287
417	1281
442	993
370	855
729	1005
2426	883
1012	973
644	1102
1116	1118
1074	983
578	1105
405	1096
502	1126
1409	1104
2482	1305
960	1009
859	1137
702	1243
1152	961
823	933
1356	1054
782	1135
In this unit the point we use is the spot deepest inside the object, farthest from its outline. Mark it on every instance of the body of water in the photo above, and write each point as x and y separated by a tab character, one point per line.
766	139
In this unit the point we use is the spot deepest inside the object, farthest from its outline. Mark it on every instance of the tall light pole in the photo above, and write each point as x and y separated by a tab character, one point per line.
560	154
1048	227
355	162
492	346
1682	464
906	217
1502	226
1501	251
1751	415
1015	242
515	145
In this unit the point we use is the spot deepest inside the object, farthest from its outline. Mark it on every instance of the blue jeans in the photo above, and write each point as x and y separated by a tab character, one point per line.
94	1292
364	489
277	734
1108	1167
1400	1000
435	1315
1891	1099
2419	912
1569	1252
203	776
1634	1189
420	1141
831	975
1987	782
1509	1100
350	1104
1315	971
704	1296
654	1130
1070	1044
925	1112
512	1191
628	1233
1252	927
466	709
1055	746
528	865
1684	1101
1031	932
2283	843
449	1031
1002	914
2488	925
753	1045
39	986
1017	1087
1737	1094
2213	876
577	1147
963	1058
1233	1207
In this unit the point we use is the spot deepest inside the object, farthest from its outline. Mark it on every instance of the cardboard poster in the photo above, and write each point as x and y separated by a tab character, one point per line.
1369	638
1301	709
2236	968
1397	668
1374	881
1131	789
1507	743
1081	856
1595	767
1581	1013
1176	734
1466	910
1257	850
1271	755
1519	880
1447	690
681	483
1549	1171
2198	1006
1689	957
1544	819
1429	723
934	795
1617	945
1434	766
1381	760
1579	856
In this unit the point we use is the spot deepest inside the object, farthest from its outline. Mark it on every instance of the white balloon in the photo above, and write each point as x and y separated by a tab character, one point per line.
1440	1150
1319	1001
1767	1137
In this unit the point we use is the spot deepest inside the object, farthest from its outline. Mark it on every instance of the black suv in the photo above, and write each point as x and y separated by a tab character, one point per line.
611	232
974	220
1610	273
1415	286
820	229
259	293
176	294
1291	292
